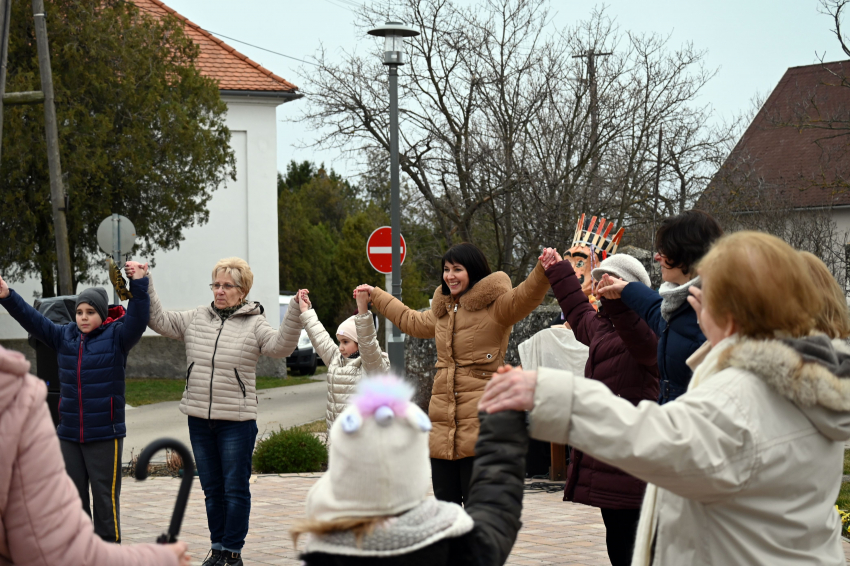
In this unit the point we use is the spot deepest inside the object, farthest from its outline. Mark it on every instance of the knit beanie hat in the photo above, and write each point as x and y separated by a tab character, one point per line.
97	298
623	266
379	461
348	329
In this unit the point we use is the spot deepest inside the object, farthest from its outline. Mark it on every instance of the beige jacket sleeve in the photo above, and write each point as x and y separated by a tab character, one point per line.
171	324
322	341
699	447
518	303
375	362
282	342
411	322
43	520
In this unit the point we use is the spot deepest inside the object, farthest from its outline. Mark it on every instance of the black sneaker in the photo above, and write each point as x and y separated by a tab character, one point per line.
213	558
230	559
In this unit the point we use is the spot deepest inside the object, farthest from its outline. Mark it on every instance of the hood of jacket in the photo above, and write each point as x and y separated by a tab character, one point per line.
251	308
811	372
480	296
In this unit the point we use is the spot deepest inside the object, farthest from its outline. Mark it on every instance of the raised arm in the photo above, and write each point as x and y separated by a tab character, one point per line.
518	303
321	339
374	361
282	342
579	313
414	323
496	488
646	303
638	337
30	319
138	314
171	324
693	447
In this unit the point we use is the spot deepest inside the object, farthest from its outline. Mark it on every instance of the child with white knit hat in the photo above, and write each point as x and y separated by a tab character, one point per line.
358	351
372	505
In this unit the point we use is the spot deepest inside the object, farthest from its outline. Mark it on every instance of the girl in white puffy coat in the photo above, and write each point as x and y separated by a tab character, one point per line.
358	351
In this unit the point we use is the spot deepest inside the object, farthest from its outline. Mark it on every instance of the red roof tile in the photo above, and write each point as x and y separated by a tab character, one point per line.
217	60
808	167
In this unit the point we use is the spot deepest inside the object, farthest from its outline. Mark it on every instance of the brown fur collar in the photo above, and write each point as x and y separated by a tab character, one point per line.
804	383
479	297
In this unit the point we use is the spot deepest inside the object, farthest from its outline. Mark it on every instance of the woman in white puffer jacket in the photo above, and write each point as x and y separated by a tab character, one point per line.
358	352
747	464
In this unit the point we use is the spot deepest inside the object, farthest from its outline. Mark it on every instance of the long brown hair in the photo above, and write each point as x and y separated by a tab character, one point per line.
834	318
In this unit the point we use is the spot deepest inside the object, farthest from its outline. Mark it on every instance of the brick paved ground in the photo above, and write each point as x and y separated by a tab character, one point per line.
554	532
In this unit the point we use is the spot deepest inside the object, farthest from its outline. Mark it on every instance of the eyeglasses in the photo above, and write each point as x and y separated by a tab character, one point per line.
226	286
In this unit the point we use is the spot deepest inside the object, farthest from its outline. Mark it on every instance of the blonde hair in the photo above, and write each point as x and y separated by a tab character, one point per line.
359	526
762	283
238	269
834	318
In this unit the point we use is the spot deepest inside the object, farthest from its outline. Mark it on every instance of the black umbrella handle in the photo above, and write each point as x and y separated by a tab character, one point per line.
185	484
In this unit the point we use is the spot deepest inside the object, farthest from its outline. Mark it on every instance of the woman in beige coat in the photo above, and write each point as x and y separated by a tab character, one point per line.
744	468
224	341
42	521
471	318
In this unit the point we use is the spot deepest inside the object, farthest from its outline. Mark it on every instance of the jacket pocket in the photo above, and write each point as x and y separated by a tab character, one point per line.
241	385
188	373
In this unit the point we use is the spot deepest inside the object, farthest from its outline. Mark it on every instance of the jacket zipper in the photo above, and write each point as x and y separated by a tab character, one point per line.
80	383
212	372
188	373
241	385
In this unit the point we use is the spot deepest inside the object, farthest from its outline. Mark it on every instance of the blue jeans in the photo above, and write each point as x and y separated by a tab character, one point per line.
223	451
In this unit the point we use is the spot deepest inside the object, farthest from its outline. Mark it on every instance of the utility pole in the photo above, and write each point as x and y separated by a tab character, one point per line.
45	96
591	56
657	183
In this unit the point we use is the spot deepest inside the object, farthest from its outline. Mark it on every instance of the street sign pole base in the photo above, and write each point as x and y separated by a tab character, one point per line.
395	351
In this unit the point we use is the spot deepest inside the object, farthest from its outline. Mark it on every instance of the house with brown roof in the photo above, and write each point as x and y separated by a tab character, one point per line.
789	173
243	214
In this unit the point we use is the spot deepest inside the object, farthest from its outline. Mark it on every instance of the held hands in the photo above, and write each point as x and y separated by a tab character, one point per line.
511	389
550	257
4	289
367	288
136	270
362	298
303	300
611	288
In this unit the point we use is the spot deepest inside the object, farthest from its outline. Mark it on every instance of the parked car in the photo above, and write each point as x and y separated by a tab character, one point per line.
304	358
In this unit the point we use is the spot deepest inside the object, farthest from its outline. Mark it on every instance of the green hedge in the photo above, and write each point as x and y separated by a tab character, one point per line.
290	451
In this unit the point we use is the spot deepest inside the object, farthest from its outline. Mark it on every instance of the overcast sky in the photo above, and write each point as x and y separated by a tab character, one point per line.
751	42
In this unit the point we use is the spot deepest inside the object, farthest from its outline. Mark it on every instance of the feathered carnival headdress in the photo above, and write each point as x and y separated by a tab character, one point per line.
597	241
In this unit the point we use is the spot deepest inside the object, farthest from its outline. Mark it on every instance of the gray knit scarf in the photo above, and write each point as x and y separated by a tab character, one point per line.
425	524
674	296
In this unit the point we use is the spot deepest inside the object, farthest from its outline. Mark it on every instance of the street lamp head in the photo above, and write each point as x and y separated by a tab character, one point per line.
394	34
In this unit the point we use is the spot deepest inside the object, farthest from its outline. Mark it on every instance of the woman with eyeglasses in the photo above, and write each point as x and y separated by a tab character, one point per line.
680	243
224	341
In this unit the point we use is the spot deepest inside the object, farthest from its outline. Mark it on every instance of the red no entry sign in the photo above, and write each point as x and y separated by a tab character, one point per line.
379	249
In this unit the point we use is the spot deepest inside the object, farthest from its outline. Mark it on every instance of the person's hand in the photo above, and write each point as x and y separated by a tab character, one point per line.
298	295
368	288
179	549
362	298
511	389
4	289
136	270
610	287
304	300
695	300
550	257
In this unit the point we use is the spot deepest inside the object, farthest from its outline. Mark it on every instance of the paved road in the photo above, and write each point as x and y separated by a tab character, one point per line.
280	406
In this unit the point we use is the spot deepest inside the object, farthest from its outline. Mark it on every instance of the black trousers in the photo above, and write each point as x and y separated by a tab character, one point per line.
451	478
97	464
620	532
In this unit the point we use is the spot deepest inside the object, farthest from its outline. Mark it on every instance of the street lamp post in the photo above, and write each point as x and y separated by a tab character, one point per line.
394	34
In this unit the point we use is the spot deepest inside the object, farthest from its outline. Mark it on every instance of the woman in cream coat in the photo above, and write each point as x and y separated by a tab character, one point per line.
224	341
747	464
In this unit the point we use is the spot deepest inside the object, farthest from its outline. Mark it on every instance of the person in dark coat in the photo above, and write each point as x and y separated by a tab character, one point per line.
372	506
92	354
681	241
623	357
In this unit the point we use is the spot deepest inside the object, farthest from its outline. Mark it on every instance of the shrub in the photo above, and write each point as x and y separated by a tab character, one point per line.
290	451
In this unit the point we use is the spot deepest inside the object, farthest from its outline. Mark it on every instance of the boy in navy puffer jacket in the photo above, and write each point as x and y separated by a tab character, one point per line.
92	355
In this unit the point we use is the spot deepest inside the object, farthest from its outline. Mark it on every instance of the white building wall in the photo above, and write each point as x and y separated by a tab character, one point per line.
242	222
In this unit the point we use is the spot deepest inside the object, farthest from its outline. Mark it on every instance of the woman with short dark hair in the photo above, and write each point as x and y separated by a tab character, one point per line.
680	243
471	317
